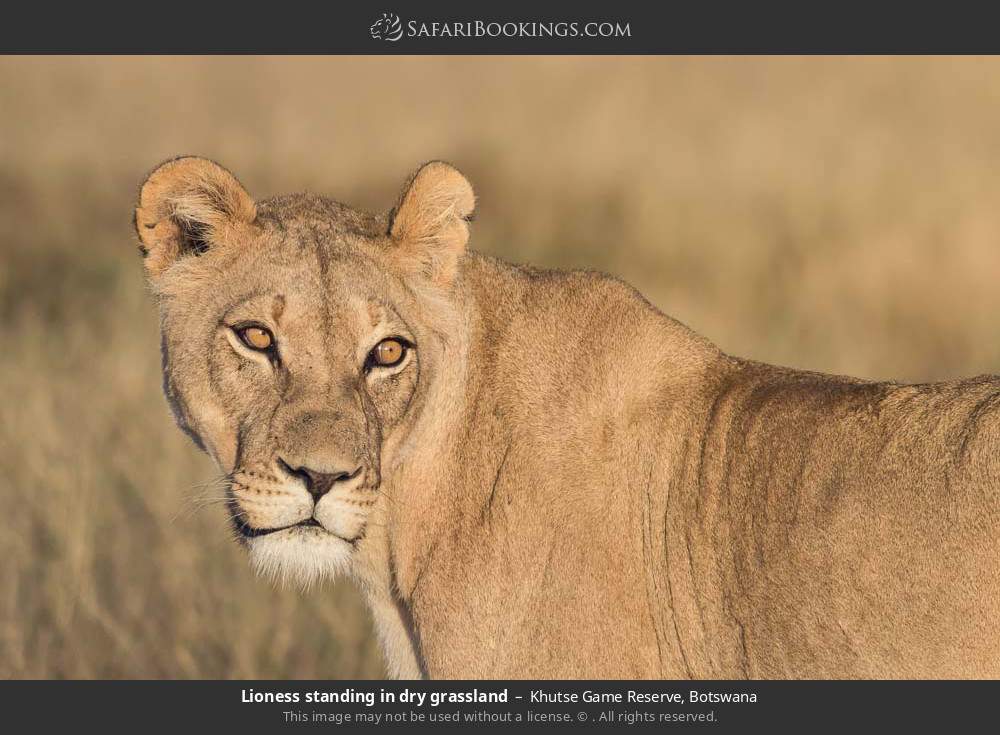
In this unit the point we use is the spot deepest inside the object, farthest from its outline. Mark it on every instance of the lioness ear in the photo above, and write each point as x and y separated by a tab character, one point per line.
187	206
430	225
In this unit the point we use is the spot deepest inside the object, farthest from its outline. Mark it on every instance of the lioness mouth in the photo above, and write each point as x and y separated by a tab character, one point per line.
251	532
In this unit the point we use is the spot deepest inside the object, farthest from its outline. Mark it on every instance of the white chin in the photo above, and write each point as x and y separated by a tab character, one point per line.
299	556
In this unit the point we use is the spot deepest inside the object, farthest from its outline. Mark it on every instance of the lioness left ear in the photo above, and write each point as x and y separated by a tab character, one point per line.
430	226
187	206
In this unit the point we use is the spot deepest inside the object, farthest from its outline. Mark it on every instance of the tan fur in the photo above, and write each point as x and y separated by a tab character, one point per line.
431	222
185	192
560	481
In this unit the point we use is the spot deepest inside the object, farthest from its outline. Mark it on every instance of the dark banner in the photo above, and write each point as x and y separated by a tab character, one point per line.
500	28
528	706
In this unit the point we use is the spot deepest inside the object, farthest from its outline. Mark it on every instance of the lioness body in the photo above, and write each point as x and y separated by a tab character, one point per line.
696	515
558	480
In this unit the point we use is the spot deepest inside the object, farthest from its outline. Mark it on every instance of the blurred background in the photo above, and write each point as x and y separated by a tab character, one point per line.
831	214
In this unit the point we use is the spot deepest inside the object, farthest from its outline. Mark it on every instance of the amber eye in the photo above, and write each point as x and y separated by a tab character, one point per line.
387	353
256	338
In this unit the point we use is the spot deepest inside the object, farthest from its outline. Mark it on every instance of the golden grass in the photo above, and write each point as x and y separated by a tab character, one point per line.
833	214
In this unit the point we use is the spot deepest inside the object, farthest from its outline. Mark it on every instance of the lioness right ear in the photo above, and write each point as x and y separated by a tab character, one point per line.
430	225
186	206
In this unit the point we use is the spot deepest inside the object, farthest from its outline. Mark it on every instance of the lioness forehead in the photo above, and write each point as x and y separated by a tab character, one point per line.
310	216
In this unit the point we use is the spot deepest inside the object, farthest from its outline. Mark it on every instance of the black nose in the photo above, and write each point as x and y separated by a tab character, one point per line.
319	483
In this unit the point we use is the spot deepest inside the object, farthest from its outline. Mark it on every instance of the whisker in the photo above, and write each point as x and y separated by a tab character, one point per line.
203	494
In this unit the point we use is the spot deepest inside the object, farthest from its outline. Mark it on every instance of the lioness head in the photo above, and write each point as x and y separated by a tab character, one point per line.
299	337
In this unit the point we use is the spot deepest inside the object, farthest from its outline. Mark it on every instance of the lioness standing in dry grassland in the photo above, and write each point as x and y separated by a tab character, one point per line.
537	474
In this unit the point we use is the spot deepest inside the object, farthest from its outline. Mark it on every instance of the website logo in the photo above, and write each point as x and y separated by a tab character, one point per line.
387	28
390	28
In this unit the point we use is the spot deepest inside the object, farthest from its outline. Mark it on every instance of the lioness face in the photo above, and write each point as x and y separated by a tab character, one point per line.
291	350
293	410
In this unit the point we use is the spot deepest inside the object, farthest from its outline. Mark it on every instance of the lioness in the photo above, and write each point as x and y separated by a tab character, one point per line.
536	474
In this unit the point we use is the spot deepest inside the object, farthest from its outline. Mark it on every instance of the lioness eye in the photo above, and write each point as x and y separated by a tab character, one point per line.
256	338
387	353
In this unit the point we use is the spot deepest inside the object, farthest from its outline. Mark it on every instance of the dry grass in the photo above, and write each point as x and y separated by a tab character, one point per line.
833	214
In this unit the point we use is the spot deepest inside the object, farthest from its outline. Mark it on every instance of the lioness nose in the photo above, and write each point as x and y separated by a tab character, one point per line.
319	483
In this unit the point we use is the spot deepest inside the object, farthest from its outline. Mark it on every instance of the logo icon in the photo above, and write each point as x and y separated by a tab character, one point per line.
387	28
